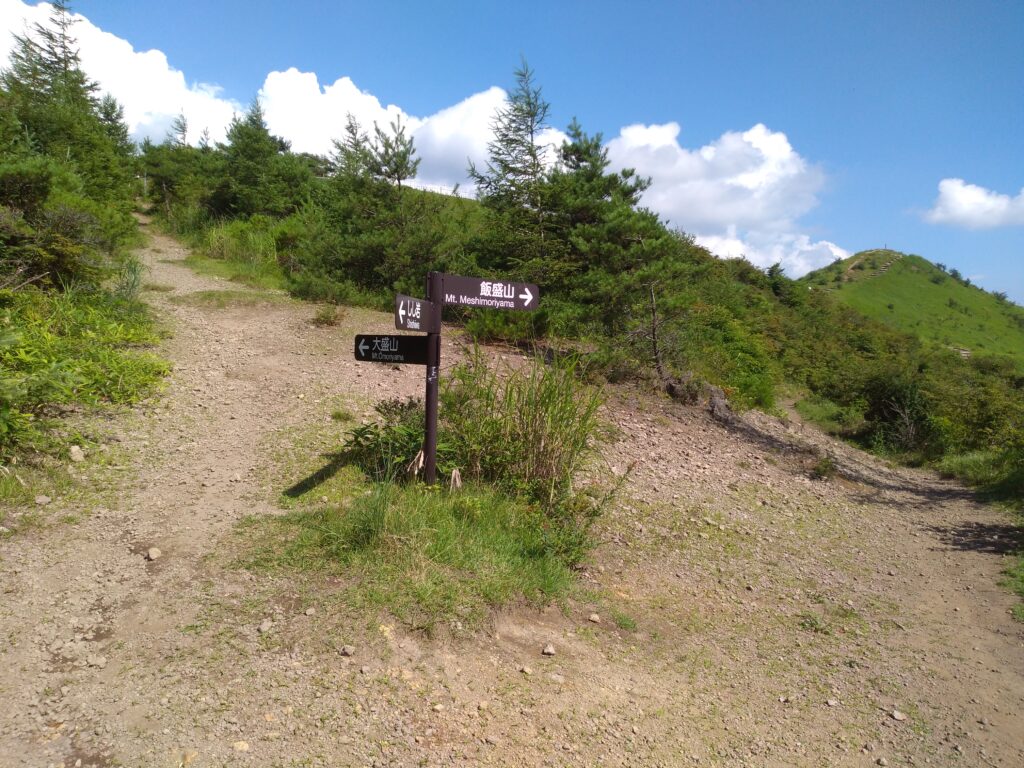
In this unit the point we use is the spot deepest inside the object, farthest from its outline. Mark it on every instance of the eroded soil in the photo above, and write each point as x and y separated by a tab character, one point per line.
748	615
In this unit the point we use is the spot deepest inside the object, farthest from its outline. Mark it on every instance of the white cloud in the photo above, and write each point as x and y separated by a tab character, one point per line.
742	194
152	92
310	116
967	205
797	253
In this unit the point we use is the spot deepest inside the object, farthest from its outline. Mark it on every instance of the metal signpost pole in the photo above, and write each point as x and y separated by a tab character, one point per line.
434	295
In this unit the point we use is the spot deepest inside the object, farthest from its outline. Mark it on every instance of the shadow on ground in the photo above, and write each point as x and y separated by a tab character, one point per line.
994	539
336	461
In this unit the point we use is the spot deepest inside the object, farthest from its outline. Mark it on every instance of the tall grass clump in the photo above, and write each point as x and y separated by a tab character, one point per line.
241	250
526	431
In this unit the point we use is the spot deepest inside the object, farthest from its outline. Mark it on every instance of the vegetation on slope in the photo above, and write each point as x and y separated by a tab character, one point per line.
927	300
70	325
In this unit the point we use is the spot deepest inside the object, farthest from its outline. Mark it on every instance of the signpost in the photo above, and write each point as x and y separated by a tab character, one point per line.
493	294
409	350
412	314
416	315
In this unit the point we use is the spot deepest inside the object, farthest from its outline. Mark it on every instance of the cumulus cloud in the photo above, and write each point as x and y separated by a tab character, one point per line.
310	116
740	195
967	205
152	92
797	253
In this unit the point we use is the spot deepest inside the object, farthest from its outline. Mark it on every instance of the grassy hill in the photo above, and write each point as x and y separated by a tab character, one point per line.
914	295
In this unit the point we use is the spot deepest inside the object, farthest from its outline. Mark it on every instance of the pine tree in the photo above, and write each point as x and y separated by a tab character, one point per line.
178	134
56	104
515	165
393	155
261	176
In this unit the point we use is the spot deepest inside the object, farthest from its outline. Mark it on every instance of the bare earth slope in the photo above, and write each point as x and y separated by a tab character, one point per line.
748	615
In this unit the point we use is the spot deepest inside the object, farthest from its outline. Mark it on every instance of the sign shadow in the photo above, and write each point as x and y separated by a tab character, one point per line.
336	461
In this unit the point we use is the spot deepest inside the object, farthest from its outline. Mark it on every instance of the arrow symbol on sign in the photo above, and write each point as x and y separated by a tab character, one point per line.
528	296
401	311
362	346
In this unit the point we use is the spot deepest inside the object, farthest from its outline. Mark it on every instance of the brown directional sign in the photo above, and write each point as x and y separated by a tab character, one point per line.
415	314
493	294
411	350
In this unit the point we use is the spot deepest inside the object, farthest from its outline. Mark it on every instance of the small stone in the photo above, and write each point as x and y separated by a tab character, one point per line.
526	670
310	611
833	702
364	670
42	500
594	618
241	746
97	661
555	677
892	572
348	650
482	706
265	626
549	650
882	761
897	715
153	553
438	707
76	453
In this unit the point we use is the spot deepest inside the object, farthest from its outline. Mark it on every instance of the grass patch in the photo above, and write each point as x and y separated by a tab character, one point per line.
623	621
328	316
432	556
65	349
810	622
157	287
831	418
226	299
527	431
256	274
977	468
424	554
1015	582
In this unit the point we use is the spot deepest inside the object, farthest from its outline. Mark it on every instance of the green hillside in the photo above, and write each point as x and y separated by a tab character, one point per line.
914	295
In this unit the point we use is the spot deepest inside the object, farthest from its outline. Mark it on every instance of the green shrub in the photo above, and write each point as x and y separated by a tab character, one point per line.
825	468
385	448
490	325
328	315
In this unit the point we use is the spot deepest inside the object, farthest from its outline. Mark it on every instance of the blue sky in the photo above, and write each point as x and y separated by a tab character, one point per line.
787	131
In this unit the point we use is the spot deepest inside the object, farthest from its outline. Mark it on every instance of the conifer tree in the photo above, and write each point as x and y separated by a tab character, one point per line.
394	155
515	165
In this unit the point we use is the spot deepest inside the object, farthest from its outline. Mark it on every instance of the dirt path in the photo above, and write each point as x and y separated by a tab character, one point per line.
748	615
